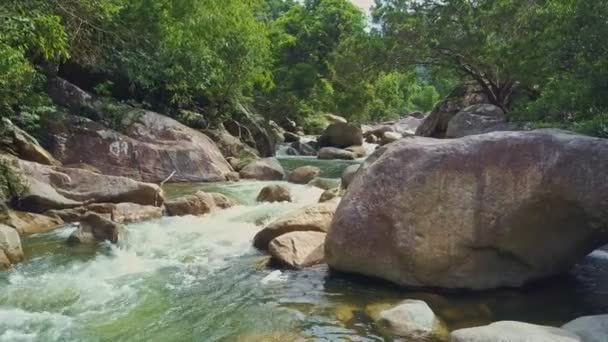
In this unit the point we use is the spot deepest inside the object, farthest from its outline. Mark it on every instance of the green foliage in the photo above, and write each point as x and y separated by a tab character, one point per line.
11	184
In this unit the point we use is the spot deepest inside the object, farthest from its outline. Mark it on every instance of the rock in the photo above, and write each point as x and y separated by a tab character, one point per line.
290	137
509	331
324	183
11	251
274	193
233	177
478	119
53	187
470	212
298	249
277	132
263	169
277	336
304	174
335	153
330	194
359	151
95	228
372	139
341	135
28	223
200	203
83	166
149	146
435	125
389	137
316	217
253	129
412	319
348	175
305	149
119	213
289	125
231	146
22	145
589	328
332	119
234	163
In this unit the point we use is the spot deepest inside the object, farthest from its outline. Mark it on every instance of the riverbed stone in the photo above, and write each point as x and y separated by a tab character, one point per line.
305	148
331	194
358	150
341	135
28	223
589	328
298	249
274	193
119	213
10	246
348	175
390	137
412	319
469	213
263	169
316	217
332	118
95	228
329	153
199	203
304	174
511	331
324	183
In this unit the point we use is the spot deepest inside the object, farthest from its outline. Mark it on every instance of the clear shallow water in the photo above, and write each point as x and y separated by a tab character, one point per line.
199	279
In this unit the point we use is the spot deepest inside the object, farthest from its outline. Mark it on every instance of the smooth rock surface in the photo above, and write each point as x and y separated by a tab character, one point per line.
341	135
274	193
29	223
477	119
348	175
298	249
16	141
589	328
470	212
10	246
263	169
329	153
200	203
304	174
510	331
95	228
412	319
119	213
330	194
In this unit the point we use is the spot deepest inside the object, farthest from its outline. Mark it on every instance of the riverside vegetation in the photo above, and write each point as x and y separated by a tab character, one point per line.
278	170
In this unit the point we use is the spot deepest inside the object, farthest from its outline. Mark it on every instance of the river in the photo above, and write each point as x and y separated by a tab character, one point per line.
199	279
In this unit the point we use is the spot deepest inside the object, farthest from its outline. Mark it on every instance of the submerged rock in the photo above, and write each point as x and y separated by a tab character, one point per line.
11	251
412	319
509	331
589	328
274	193
470	212
263	169
316	217
119	213
341	135
304	174
200	203
95	228
298	249
335	153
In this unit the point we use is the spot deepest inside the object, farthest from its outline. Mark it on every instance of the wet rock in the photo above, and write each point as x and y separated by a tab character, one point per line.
274	193
341	135
298	249
478	119
324	183
509	331
589	328
200	203
304	174
372	139
95	228
119	213
17	142
234	162
28	223
53	187
281	336
316	217
470	212
305	149
359	151
263	169
412	319
290	137
335	153
332	119
389	137
330	194
11	251
348	175
233	177
276	131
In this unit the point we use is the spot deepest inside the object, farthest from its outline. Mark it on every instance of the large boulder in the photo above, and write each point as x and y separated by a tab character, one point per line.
119	213
231	146
274	193
199	203
316	217
17	142
404	126
28	223
478	119
141	144
305	148
329	153
341	135
435	125
389	137
348	175
412	319
332	119
470	212
11	251
509	331
263	169
95	228
298	249
304	174
54	187
589	328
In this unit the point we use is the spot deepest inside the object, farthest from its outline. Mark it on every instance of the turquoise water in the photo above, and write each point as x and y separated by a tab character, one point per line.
199	279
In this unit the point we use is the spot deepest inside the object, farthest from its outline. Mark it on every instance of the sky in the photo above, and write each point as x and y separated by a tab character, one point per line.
364	4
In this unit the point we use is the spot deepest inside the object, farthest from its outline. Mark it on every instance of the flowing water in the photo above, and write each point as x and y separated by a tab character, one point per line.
199	279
